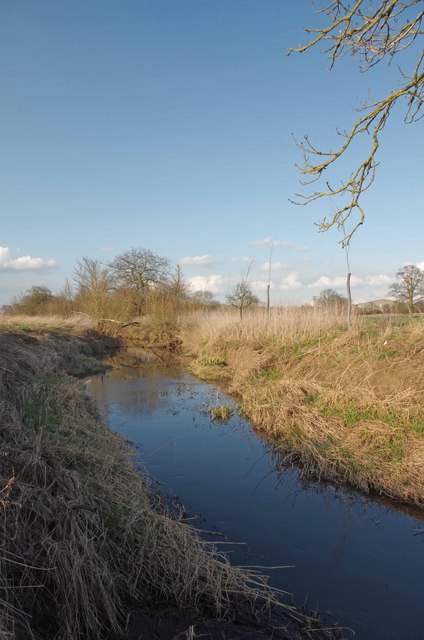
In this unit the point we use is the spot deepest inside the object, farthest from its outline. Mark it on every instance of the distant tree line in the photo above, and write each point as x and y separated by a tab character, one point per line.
407	291
138	282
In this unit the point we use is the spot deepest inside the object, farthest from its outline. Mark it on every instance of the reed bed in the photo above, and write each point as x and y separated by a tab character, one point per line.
283	325
82	540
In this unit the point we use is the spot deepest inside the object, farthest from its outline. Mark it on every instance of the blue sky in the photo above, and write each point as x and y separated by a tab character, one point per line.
167	124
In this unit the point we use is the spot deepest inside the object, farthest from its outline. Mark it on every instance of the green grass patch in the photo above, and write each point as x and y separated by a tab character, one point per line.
353	414
80	365
301	348
40	405
222	412
269	373
212	361
390	353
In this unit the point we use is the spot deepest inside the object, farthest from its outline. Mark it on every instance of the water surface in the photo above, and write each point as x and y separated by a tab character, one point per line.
351	556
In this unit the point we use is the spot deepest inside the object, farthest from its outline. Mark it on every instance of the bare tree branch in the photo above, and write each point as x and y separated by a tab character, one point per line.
370	31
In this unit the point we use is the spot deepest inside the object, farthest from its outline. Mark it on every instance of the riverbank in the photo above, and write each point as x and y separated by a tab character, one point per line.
344	404
83	539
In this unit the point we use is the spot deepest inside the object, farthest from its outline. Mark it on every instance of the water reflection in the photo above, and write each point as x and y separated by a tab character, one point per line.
357	558
334	492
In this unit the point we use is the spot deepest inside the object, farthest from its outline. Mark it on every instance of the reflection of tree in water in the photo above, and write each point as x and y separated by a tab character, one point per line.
135	391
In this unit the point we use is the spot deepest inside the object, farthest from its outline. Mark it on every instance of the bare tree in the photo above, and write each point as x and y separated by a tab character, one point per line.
35	301
204	298
409	287
67	297
331	299
241	297
371	31
139	270
169	297
178	288
94	283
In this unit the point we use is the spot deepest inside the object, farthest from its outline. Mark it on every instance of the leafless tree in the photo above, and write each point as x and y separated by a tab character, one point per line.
138	271
331	299
168	298
242	297
35	301
372	31
93	282
409	287
204	298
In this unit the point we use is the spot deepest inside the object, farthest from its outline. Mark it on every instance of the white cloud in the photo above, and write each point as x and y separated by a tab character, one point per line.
205	260
324	282
213	283
420	265
23	263
275	266
290	282
381	280
261	285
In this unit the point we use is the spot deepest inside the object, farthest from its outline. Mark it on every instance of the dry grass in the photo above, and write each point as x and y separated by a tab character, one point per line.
81	540
28	323
345	404
203	330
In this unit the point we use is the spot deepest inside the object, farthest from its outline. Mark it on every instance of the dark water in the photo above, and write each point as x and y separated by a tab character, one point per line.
358	559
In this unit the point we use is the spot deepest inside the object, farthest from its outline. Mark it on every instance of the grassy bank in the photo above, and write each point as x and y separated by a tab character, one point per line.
347	405
82	539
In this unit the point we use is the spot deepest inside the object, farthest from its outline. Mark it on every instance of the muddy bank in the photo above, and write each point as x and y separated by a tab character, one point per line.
171	624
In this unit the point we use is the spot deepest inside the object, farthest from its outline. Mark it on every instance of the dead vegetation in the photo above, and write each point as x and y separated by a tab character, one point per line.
347	405
81	538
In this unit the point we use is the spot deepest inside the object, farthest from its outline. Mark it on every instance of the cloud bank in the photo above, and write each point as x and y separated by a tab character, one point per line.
324	282
23	263
197	261
275	266
213	283
290	283
381	280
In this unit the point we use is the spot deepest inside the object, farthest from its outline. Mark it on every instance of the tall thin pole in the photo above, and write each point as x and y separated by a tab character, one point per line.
268	297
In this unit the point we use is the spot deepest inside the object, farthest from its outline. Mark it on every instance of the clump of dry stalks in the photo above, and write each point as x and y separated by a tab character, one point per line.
80	540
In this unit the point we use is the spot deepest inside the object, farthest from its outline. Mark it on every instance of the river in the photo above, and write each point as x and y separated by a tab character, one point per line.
356	558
